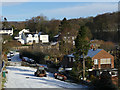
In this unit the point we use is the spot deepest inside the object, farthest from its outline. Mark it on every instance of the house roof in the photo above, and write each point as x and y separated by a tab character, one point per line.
5	28
70	55
56	36
91	53
39	33
32	33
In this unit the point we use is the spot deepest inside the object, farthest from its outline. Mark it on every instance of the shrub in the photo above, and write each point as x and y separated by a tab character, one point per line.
36	55
104	82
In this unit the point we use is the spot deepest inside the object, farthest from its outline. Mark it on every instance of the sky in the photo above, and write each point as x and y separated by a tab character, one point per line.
20	11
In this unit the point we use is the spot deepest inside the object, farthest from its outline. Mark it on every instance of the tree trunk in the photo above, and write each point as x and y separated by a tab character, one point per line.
83	68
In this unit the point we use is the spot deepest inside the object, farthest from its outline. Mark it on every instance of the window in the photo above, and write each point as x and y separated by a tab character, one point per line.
73	42
95	61
72	38
69	41
70	59
30	41
105	61
73	59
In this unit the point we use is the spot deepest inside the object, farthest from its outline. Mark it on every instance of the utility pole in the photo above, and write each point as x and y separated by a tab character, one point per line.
83	68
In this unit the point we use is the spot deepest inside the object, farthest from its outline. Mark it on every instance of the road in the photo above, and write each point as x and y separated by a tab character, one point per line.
23	77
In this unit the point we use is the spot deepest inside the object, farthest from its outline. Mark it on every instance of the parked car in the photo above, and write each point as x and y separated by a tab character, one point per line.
9	59
60	75
11	53
31	61
8	55
25	59
41	72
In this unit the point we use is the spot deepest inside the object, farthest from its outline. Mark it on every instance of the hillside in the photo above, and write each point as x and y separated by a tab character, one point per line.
102	27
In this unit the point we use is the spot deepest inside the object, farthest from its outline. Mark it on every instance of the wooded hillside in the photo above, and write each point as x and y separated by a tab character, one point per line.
103	27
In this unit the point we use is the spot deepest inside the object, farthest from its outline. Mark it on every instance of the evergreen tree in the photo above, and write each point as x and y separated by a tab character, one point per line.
81	47
5	23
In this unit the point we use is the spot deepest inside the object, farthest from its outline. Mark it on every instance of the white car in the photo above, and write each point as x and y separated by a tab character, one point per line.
11	54
9	59
8	55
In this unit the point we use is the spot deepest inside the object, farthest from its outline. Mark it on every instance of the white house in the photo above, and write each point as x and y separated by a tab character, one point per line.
21	32
44	38
27	37
31	38
21	37
6	31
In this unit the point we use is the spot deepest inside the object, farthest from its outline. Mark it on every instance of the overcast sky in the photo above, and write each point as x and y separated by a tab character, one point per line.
20	11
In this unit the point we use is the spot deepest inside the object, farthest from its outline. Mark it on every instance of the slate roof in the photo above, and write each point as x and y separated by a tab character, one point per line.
91	53
39	33
70	55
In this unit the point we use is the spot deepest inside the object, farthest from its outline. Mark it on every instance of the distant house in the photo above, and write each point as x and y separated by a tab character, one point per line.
6	31
67	38
44	38
27	37
30	38
56	38
68	61
101	59
21	37
21	33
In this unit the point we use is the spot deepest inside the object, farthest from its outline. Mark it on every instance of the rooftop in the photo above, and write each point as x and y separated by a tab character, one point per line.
5	28
32	33
91	53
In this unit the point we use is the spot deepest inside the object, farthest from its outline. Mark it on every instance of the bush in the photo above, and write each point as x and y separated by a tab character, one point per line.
92	78
36	55
104	82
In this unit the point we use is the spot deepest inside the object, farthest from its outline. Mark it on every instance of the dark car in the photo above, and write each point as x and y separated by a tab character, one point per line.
41	72
60	75
31	61
25	59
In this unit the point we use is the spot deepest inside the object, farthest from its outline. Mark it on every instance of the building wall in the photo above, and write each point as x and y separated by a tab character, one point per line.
32	39
9	32
103	55
23	31
36	38
67	62
29	39
69	39
44	38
